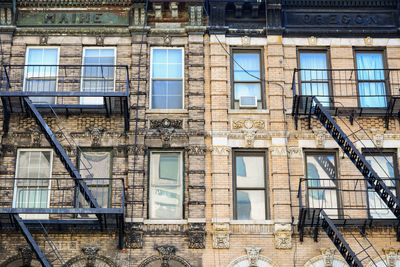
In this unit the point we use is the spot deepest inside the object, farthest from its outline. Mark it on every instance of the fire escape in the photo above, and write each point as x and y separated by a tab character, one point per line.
346	207
44	92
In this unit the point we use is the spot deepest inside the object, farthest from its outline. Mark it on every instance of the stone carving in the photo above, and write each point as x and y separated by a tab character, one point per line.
197	235
221	235
283	236
158	10
166	134
166	252
248	124
100	40
36	137
249	137
96	133
246	40
278	151
26	254
312	40
378	136
220	150
253	253
166	123
196	150
43	40
167	40
392	256
90	253
134	236
328	256
295	152
195	15
140	150
320	138
173	7
368	41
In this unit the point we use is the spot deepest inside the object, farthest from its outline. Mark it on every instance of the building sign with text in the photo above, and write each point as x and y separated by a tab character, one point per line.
57	18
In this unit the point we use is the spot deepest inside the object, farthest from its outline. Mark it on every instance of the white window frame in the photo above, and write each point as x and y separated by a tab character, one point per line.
180	182
82	67
151	76
33	216
26	66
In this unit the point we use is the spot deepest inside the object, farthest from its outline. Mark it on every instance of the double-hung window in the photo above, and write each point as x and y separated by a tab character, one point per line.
32	180
385	165
321	179
314	75
247	79
250	186
41	73
166	185
97	73
371	79
167	84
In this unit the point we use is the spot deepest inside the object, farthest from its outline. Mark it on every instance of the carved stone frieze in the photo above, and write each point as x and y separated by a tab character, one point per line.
134	236
220	150
96	133
221	235
196	16
165	252
295	152
166	123
90	252
140	149
253	253
138	14
197	235
194	150
392	256
283	236
248	124
328	256
165	135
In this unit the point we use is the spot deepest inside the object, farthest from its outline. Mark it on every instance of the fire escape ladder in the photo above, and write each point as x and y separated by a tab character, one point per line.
62	155
356	157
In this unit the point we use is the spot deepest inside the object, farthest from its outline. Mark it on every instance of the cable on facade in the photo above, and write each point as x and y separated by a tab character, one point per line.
136	122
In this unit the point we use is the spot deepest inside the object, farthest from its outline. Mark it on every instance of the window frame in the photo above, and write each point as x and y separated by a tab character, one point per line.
317	50
28	48
247	50
333	153
182	49
182	182
377	50
250	153
386	153
14	201
81	102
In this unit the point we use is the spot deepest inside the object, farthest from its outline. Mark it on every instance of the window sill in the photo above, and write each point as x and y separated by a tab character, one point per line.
267	222
167	111
248	111
164	221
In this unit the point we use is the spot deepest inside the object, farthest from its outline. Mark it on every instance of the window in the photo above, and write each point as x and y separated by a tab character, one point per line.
247	79
33	192
314	75
166	185
167	78
96	169
371	79
250	186
321	178
385	165
97	73
41	73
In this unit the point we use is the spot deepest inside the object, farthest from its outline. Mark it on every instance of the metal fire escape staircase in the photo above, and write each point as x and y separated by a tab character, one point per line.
312	107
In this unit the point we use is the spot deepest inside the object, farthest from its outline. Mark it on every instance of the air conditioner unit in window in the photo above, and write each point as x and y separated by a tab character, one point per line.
248	102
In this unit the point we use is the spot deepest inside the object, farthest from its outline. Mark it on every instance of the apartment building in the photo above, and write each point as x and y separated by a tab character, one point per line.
199	133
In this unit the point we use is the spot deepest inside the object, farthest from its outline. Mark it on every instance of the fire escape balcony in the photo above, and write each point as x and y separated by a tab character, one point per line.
57	203
66	89
354	92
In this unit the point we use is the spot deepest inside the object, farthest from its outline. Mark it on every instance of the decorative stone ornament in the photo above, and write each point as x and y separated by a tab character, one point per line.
246	40
165	135
43	40
157	10
134	236
312	40
248	124
328	256
221	235
196	150
36	137
173	7
283	236
26	254
100	40
166	123
166	252
140	149
90	252
97	133
197	235
138	14
392	256
221	150
368	41
253	253
196	16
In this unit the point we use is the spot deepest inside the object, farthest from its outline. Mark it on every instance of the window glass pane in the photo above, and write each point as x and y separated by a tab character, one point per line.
166	203
321	170
174	56
373	63
246	66
372	95
383	166
50	56
169	168
174	71
247	89
159	56
250	171
107	53
92	53
250	204
35	56
314	61
167	94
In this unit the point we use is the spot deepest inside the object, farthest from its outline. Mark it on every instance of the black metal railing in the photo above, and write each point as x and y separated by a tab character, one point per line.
65	80
347	88
58	196
345	198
